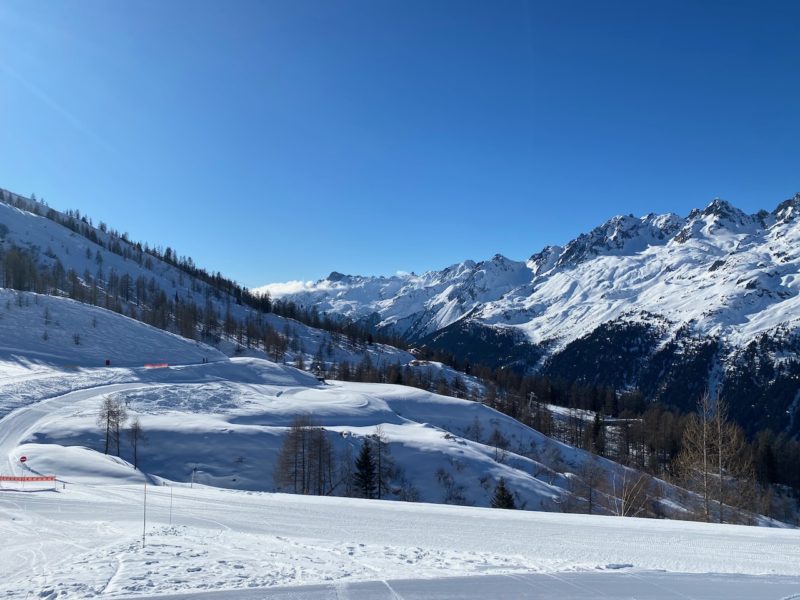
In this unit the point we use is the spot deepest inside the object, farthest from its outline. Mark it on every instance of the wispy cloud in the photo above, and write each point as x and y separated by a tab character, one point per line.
47	99
277	290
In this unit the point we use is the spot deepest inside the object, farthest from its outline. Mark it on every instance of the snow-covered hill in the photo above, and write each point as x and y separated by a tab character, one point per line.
131	281
223	421
650	302
228	417
35	328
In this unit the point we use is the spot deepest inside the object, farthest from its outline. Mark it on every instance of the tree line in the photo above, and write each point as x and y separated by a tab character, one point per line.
308	464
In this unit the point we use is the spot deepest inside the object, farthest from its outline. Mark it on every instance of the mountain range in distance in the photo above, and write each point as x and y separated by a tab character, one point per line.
668	305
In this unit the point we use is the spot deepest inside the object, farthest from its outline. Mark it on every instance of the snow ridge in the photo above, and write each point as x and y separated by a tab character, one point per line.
717	271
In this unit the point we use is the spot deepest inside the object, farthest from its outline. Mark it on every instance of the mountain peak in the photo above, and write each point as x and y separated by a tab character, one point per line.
722	208
621	234
718	215
336	276
788	209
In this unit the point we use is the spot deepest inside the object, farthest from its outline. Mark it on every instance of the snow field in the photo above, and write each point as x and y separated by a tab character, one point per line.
86	541
226	419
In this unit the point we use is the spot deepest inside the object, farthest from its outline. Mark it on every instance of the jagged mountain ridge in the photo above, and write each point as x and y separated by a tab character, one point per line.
664	303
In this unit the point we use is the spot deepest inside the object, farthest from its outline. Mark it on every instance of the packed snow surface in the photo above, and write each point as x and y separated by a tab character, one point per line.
86	540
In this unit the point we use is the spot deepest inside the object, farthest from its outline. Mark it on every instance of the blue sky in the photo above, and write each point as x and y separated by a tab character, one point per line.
282	140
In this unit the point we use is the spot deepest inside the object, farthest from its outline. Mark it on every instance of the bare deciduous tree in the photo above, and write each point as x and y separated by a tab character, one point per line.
734	466
111	417
629	492
715	461
305	463
592	476
136	437
694	462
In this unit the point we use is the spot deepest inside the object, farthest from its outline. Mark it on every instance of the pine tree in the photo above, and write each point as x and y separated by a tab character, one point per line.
502	498
365	470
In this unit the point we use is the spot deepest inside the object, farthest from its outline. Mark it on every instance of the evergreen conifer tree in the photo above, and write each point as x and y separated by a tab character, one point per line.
365	470
502	498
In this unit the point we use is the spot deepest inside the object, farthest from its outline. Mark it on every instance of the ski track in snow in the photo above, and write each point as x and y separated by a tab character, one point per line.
234	540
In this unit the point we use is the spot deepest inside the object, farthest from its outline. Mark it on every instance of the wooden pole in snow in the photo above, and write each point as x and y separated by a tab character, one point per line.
144	514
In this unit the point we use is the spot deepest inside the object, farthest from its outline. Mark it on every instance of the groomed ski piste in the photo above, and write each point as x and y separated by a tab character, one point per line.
220	421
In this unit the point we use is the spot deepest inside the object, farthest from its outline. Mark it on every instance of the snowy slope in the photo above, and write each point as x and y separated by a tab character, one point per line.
59	331
56	245
227	417
86	541
228	420
221	423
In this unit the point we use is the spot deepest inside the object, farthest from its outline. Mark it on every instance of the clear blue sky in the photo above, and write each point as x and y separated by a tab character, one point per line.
282	140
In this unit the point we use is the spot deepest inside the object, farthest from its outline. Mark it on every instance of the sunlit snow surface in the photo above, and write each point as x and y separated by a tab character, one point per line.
85	538
226	418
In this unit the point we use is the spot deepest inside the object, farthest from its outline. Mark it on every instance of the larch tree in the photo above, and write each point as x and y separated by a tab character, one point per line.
136	437
305	462
111	417
384	465
592	477
715	460
734	470
695	459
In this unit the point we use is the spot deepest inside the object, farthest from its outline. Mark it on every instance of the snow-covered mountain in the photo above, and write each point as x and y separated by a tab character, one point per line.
108	269
667	304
